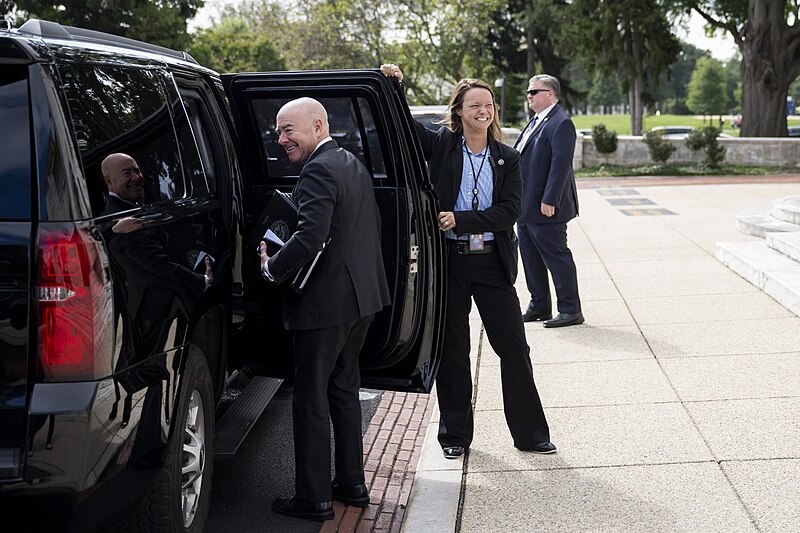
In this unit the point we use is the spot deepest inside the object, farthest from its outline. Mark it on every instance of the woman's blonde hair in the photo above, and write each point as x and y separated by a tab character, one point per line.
452	120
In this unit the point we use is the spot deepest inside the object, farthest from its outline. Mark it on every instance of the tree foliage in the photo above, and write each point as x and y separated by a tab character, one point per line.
660	148
768	37
605	141
708	94
162	22
631	39
233	46
706	139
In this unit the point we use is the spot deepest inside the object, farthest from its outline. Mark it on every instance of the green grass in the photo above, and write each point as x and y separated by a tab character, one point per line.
613	171
622	123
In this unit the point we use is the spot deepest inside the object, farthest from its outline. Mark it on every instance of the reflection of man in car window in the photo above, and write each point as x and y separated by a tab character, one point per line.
124	181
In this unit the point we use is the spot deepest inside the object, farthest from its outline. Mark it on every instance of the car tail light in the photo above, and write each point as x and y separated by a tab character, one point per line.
75	306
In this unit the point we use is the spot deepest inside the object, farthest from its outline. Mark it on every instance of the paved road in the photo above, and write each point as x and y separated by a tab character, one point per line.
263	470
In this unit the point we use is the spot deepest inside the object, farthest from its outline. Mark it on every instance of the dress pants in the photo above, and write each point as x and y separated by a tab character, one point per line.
326	383
544	247
481	276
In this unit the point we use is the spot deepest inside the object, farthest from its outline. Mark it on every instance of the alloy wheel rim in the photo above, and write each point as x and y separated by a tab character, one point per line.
193	458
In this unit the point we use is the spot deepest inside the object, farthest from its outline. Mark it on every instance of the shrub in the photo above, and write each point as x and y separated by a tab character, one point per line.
660	148
605	142
706	139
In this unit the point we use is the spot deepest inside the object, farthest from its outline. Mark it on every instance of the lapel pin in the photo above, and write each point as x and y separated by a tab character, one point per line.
500	161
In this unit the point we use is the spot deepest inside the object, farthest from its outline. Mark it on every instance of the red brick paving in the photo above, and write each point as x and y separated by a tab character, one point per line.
392	444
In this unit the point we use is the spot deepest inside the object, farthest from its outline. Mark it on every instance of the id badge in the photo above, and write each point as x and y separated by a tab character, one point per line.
476	242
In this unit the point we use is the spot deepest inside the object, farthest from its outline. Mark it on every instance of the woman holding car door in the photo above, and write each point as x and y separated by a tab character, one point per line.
477	179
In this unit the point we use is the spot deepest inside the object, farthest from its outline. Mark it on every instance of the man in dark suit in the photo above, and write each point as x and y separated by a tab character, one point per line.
549	201
331	317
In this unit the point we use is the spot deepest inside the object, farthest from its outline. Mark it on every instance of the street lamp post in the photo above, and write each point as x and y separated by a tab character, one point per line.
499	83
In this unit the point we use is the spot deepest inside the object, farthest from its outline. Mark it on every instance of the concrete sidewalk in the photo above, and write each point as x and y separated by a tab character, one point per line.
674	407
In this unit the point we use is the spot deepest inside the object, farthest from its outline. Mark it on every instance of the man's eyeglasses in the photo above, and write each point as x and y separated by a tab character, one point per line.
534	92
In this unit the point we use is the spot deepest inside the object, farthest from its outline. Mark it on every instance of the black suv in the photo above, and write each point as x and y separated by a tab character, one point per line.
114	353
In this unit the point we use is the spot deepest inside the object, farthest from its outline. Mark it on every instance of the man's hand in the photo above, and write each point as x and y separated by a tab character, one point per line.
130	224
390	70
264	256
209	272
548	210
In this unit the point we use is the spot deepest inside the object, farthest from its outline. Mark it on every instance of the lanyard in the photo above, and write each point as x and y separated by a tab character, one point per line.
474	175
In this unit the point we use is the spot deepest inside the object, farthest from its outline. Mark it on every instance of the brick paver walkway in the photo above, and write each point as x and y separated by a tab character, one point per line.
392	445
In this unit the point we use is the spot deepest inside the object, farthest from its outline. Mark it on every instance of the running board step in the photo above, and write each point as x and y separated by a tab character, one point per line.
239	419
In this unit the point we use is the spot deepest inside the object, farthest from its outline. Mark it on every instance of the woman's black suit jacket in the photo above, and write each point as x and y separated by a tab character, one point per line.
445	156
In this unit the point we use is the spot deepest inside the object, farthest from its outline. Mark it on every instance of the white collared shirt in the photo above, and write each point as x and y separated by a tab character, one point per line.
541	118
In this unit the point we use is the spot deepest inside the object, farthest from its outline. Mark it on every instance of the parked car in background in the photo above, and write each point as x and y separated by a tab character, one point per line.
681	132
428	115
114	349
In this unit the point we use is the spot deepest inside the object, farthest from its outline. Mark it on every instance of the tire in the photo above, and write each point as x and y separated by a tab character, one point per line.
171	507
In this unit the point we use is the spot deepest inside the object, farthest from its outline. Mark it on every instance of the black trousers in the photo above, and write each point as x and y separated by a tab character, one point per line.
544	247
326	385
482	277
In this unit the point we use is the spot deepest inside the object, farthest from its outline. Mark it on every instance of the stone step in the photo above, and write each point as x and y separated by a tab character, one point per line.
786	209
786	243
769	270
758	221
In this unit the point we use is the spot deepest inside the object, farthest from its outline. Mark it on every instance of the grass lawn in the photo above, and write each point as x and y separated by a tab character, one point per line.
622	123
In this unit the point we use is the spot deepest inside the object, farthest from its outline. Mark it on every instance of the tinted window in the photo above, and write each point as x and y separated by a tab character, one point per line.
125	110
15	153
351	125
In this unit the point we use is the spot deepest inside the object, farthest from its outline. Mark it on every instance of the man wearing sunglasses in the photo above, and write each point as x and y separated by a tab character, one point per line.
549	201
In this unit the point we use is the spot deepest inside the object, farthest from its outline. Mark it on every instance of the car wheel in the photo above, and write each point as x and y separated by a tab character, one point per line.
179	499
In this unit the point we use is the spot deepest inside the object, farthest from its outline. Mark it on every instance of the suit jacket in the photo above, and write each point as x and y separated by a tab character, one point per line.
547	175
336	200
445	156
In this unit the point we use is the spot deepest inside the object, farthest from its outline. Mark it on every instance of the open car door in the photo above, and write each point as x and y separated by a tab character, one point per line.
368	116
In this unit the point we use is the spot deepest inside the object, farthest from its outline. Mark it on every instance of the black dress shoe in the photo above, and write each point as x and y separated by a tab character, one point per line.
317	511
542	447
532	315
354	495
453	452
564	319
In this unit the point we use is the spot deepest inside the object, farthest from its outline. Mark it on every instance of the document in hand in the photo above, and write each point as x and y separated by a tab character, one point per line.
277	224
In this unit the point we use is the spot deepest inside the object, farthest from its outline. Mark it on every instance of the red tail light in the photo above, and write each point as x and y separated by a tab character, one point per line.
74	306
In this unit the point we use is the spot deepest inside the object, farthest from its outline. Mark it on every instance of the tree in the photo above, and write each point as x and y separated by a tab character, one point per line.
768	37
631	39
6	7
605	92
530	36
162	22
670	92
708	88
233	46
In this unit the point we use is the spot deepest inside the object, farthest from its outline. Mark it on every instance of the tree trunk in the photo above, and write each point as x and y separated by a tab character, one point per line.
635	91
770	62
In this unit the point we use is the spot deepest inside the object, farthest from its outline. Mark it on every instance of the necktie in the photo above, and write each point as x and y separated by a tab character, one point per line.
527	133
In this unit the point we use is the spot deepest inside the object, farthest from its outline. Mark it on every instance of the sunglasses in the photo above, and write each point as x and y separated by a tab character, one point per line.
534	92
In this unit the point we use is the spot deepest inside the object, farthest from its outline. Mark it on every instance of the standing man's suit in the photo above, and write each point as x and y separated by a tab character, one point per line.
548	178
487	278
331	317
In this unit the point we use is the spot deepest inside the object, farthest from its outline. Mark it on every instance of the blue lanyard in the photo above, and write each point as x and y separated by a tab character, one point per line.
474	175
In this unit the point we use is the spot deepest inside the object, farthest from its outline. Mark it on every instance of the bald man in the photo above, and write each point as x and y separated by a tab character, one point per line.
124	181
331	317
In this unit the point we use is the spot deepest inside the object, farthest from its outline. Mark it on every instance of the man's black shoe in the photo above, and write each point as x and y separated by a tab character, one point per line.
354	495
532	315
542	447
317	511
453	452
564	319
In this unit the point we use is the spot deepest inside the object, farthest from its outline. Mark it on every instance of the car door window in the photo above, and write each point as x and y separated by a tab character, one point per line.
351	124
127	110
